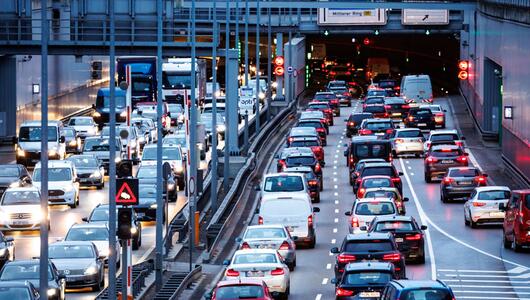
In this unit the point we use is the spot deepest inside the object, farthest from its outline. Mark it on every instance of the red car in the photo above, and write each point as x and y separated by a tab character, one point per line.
516	226
242	288
373	182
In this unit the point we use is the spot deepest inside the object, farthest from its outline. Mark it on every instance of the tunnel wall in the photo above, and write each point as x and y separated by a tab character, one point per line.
298	52
505	43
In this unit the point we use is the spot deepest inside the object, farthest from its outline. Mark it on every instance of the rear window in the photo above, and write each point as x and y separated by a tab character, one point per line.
396	226
324	96
357	118
445	153
255	258
310	124
304	143
463	173
494	195
421	112
444	137
385	171
318	106
374	109
265	233
378	125
374	208
380	194
426	294
239	291
374	150
409	133
377	182
300	161
284	184
367	278
368	246
375	101
377	93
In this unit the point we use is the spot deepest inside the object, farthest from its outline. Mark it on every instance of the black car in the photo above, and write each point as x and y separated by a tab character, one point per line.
409	236
368	246
378	168
319	127
146	175
90	170
29	270
355	172
440	158
460	182
364	147
305	159
19	290
382	128
7	249
147	206
72	140
363	280
420	118
13	175
417	289
396	107
354	121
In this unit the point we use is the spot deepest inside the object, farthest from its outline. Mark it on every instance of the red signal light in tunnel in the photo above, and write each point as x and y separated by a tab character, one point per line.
279	69
463	75
463	65
366	41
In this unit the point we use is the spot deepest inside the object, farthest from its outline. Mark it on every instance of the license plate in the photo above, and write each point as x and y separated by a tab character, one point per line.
399	240
396	114
255	274
422	124
20	222
264	246
380	133
69	279
140	215
447	161
370	294
496	214
465	182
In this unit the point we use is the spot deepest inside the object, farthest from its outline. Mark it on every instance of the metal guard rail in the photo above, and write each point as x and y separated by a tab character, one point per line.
189	279
141	270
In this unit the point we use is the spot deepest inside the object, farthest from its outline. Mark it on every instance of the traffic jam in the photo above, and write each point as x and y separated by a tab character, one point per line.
389	120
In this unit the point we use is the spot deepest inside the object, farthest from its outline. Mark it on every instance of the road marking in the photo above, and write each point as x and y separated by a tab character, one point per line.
336	210
330	254
334	167
491	292
335	194
318	297
335	179
328	266
411	174
335	230
338	151
333	241
514	270
325	281
336	156
410	168
424	220
336	220
336	186
334	162
336	201
334	173
146	254
406	161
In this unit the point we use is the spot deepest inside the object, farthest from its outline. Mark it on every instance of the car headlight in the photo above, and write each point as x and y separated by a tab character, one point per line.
3	251
261	95
14	184
153	206
117	159
96	114
134	230
275	84
37	215
96	174
72	143
21	152
123	114
52	152
221	128
51	292
4	217
170	186
92	131
91	270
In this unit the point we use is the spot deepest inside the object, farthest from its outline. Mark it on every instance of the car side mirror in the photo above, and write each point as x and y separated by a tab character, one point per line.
423	227
316	209
277	156
208	296
9	239
295	238
345	145
77	179
400	173
334	250
445	110
62	139
348	213
333	280
406	199
226	262
257	187
502	206
238	239
363	228
85	219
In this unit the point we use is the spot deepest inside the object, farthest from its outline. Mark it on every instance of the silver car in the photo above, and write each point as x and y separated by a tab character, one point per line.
483	205
274	236
407	141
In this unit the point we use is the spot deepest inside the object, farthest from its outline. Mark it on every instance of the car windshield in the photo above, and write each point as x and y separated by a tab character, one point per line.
312	115
120	101
19	293
70	251
409	133
87	234
168	153
426	294
99	145
54	174
304	143
376	93
463	173
175	140
396	226
380	194
146	172
318	106
367	278
444	137
494	195
374	208
9	171
68	132
239	291
445	152
375	101
20	197
80	121
12	272
33	133
255	258
374	109
378	125
100	214
284	184
324	96
265	233
300	161
368	246
357	118
386	171
84	161
377	150
175	80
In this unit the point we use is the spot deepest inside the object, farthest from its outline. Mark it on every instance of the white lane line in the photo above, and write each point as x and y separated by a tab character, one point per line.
489	286
334	173
336	201
514	270
335	194
410	168
325	281
335	230
335	162
336	186
338	151
428	220
336	220
411	174
490	292
333	241
330	254
336	156
492	298
334	167
513	283
424	220
407	162
336	210
318	297
335	179
328	266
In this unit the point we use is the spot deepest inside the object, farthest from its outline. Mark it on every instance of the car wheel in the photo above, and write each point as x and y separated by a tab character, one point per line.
313	242
443	198
349	104
321	185
417	155
135	243
101	186
291	266
97	287
427	178
466	221
505	242
515	246
472	223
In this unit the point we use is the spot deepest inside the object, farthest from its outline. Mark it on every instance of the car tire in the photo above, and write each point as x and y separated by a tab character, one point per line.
312	243
136	243
443	198
101	186
515	246
472	224
427	177
505	242
417	155
349	104
317	199
203	155
96	287
321	185
291	266
466	221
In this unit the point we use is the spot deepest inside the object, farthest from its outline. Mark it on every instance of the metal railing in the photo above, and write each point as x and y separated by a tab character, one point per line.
139	273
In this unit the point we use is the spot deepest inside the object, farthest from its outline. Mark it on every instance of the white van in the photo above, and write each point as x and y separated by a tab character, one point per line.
63	184
29	139
295	212
416	89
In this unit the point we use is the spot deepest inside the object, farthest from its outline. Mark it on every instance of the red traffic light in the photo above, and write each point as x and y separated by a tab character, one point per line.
278	61
463	65
463	75
366	41
279	71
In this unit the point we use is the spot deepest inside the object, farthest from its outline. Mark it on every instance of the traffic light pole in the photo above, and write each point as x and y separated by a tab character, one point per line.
257	68
269	65
213	171
279	79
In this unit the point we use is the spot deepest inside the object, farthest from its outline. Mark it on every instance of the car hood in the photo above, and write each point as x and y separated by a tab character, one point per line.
100	154
61	185
82	127
6	181
89	170
72	263
36	282
35	146
26	208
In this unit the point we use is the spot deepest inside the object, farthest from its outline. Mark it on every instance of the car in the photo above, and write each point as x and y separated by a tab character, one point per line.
206	119
178	138
420	118
335	84
63	184
354	121
101	107
407	141
301	132
171	154
28	270
20	209
84	126
441	136
89	169
380	127
417	289
80	263
396	107
13	175
516	220
28	144
330	98
97	233
301	159
438	112
176	113
377	111
374	181
319	127
147	204
100	215
314	143
147	129
368	246
343	94
242	288
364	147
264	263
130	143
72	140
373	101
416	89
363	280
375	92
147	176
284	184
364	210
388	192
315	114
460	182
355	171
408	234
274	236
100	148
440	158
7	249
312	181
280	164
483	205
149	110
391	86
380	169
20	290
292	211
324	107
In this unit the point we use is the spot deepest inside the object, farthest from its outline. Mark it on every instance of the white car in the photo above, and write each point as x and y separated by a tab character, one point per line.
437	136
84	126
407	141
129	139
20	209
483	205
364	210
63	184
285	184
97	233
171	154
265	264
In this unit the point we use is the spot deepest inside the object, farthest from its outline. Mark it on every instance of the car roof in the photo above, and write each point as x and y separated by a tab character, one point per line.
303	169
305	138
492	188
444	131
387	189
369	266
378	120
38	123
407	129
266	226
90	225
384	218
57	163
71	243
420	284
368	236
281	174
364	138
375	177
462	168
378	164
374	199
240	280
23	189
318	103
257	251
299	154
300	149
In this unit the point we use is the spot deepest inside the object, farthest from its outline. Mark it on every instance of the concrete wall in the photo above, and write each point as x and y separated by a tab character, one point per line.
298	63
506	43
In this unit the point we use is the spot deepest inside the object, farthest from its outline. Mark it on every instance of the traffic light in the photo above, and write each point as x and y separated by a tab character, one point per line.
96	68
279	69
124	223
366	41
463	66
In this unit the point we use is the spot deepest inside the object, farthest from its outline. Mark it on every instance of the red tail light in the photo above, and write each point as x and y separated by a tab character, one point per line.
290	139
364	106
332	73
232	272
365	131
282	163
345	94
411	118
285	246
396	179
447	180
458	143
318	168
361	192
392	257
260	220
334	101
439	114
389	131
340	292
351	123
277	271
415	237
345	258
462	159
388	107
479	204
397	88
430	159
313	183
321	129
354	222
351	160
327	111
399	141
405	106
245	245
310	220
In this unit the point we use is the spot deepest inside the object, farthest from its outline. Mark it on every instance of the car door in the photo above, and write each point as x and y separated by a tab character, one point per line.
511	213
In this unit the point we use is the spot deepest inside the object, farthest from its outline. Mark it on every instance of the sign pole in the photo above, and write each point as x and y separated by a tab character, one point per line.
128	99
